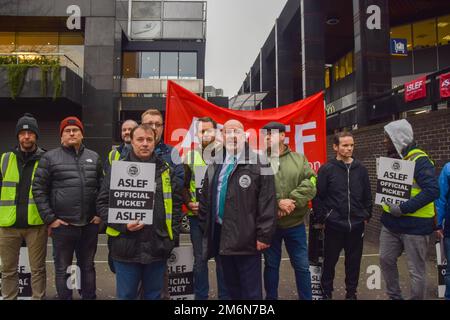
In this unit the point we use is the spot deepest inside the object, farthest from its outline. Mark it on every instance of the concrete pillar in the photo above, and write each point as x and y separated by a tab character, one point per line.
372	53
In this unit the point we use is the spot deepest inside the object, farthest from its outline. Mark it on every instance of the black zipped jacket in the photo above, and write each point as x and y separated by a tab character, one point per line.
151	243
344	198
250	211
66	185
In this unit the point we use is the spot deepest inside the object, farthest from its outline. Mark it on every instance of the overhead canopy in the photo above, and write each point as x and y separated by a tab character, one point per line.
247	101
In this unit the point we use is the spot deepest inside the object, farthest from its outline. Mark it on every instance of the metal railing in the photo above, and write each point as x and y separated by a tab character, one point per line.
29	57
390	103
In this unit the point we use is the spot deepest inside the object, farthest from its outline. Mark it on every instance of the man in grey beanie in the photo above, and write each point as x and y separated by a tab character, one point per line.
19	216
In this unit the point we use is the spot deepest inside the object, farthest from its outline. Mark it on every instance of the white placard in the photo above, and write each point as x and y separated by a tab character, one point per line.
132	192
316	286
181	273
395	179
441	263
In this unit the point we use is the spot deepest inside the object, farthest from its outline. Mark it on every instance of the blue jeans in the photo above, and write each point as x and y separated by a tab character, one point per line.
297	248
447	269
130	275
201	281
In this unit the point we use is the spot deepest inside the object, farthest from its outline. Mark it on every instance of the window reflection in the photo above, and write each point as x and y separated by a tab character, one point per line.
424	34
41	42
169	65
188	65
160	65
443	30
130	65
150	65
7	42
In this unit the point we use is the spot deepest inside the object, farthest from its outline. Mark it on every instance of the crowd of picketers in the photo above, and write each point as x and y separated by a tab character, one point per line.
246	205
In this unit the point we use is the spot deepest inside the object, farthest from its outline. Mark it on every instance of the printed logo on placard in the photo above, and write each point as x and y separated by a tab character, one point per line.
133	170
245	181
173	259
89	160
396	166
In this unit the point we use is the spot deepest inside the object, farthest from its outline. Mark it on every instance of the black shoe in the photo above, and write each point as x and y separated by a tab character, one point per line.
351	297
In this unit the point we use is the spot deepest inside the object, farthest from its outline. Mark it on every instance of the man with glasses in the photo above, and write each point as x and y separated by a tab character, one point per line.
65	189
169	154
238	212
154	118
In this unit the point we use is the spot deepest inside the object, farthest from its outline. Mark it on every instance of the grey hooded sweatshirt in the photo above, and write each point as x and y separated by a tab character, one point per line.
401	134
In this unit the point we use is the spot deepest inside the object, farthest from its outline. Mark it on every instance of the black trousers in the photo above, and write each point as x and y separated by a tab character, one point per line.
352	243
243	276
82	241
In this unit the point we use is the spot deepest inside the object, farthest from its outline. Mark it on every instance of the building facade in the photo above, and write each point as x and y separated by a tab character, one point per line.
104	61
360	52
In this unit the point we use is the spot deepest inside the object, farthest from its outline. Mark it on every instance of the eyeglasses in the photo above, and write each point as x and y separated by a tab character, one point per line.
155	125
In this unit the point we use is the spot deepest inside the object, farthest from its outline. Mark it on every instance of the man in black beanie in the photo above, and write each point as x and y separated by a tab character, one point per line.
19	217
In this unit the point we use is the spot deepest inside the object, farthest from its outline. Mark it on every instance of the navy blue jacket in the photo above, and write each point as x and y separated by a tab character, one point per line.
424	174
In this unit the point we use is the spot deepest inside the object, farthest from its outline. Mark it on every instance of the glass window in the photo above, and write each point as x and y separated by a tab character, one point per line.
443	30
327	78
424	34
169	65
336	71
143	10
130	65
7	42
41	42
403	32
150	65
188	65
342	68
349	63
71	38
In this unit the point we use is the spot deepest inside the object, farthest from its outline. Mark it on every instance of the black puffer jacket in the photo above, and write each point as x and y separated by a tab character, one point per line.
66	185
151	243
344	199
250	207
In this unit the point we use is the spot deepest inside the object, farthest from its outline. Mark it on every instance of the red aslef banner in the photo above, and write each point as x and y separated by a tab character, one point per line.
416	89
305	122
444	85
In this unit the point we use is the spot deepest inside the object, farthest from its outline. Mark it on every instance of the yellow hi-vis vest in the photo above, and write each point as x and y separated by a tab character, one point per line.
8	210
168	205
194	163
426	211
113	155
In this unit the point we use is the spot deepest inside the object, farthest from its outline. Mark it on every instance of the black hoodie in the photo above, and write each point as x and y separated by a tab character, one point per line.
344	198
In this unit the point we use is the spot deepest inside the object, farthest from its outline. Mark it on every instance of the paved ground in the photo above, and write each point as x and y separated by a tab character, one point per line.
287	291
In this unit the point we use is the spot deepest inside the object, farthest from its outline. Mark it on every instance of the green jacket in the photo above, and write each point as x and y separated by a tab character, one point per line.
294	179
